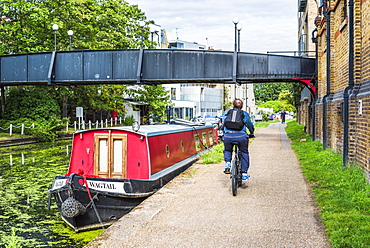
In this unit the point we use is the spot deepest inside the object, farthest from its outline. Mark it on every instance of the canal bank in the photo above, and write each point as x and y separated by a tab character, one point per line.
196	209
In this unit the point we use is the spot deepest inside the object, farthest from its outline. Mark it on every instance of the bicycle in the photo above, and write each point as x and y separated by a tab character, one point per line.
236	169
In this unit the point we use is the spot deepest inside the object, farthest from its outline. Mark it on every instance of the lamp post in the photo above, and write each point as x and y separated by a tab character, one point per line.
70	33
55	28
236	21
239	27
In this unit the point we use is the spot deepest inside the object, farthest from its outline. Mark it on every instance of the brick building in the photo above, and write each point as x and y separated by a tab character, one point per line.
339	114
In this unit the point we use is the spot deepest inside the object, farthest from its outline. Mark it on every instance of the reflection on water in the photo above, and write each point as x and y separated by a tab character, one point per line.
26	173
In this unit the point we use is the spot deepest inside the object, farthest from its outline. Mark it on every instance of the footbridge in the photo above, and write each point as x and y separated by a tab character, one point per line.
153	66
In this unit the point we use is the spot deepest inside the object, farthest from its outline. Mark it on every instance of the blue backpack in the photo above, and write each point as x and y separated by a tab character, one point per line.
234	119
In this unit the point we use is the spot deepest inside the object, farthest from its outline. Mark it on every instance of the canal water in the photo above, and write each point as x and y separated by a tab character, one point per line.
26	174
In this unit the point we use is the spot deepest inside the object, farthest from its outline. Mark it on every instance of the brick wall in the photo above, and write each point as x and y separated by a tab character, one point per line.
359	127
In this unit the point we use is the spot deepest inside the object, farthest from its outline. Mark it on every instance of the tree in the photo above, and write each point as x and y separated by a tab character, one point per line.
26	25
264	92
32	102
157	97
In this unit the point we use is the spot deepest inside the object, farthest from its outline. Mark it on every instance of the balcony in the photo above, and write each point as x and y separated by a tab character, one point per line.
302	5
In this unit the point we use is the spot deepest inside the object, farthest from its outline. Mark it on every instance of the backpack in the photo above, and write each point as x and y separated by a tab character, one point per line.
234	119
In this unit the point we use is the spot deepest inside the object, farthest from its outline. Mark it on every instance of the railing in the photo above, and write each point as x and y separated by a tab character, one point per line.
83	125
22	127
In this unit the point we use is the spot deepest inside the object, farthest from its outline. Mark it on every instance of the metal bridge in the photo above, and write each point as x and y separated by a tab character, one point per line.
152	66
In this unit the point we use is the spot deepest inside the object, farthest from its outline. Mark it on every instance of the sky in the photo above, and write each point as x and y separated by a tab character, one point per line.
267	25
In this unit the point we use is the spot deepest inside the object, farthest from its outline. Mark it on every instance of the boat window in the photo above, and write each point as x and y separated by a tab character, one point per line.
103	155
110	156
204	138
117	155
197	142
167	151
182	146
210	135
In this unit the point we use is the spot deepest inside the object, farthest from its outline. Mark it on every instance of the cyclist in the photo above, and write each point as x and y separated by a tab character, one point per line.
239	136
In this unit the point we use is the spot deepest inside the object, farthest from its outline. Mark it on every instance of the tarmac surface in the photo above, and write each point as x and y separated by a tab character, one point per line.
274	208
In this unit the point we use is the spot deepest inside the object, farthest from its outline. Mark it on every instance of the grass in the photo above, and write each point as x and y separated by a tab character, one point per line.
216	156
14	135
341	193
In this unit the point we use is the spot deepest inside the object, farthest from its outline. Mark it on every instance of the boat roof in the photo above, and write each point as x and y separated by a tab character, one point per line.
153	130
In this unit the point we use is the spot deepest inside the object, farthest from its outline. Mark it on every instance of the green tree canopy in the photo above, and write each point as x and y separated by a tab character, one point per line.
26	25
35	103
157	97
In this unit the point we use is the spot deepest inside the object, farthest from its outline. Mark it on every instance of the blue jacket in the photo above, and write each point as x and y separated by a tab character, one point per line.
247	122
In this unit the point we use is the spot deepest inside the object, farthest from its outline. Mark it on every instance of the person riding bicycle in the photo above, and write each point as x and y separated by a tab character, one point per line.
238	135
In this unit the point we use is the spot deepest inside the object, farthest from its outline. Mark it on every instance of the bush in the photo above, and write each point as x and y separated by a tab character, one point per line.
48	130
128	120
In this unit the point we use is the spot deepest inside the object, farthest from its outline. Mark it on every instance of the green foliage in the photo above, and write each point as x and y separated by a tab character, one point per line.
12	241
34	103
48	130
157	97
278	105
99	97
214	156
264	92
106	24
289	93
128	120
342	193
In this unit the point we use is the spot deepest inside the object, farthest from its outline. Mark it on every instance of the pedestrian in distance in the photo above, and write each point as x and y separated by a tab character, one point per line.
282	114
235	124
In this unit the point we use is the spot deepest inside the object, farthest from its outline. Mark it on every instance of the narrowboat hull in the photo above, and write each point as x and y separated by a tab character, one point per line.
105	182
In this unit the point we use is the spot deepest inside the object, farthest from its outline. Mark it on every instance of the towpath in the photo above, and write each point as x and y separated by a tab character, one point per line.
274	208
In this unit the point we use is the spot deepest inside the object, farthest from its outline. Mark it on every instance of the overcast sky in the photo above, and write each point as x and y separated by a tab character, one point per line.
267	25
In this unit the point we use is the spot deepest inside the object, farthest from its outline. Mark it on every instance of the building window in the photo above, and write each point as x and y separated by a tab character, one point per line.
173	93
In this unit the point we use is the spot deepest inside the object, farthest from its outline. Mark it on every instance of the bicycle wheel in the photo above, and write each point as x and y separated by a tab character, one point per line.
239	173
234	177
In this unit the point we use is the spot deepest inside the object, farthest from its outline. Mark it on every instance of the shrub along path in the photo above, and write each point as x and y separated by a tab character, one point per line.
196	209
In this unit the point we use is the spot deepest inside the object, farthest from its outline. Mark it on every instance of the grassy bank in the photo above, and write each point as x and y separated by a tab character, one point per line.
342	193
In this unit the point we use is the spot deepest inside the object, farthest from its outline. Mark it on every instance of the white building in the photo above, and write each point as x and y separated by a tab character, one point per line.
194	100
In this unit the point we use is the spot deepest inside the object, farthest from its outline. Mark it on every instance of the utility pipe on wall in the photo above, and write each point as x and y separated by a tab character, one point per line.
328	56
351	82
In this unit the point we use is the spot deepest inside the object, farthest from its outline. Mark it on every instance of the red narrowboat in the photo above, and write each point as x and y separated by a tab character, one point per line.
112	170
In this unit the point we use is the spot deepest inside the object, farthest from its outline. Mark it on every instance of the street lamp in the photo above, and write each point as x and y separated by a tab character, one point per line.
239	27
55	28
70	33
236	21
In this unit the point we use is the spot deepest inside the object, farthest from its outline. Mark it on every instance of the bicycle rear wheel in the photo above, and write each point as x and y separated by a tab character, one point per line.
234	177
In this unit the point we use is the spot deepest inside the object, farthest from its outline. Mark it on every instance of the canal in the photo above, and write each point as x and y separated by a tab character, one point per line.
26	174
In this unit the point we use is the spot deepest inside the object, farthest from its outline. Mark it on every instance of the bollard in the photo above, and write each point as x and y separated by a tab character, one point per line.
75	125
22	130
67	128
89	124
11	129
